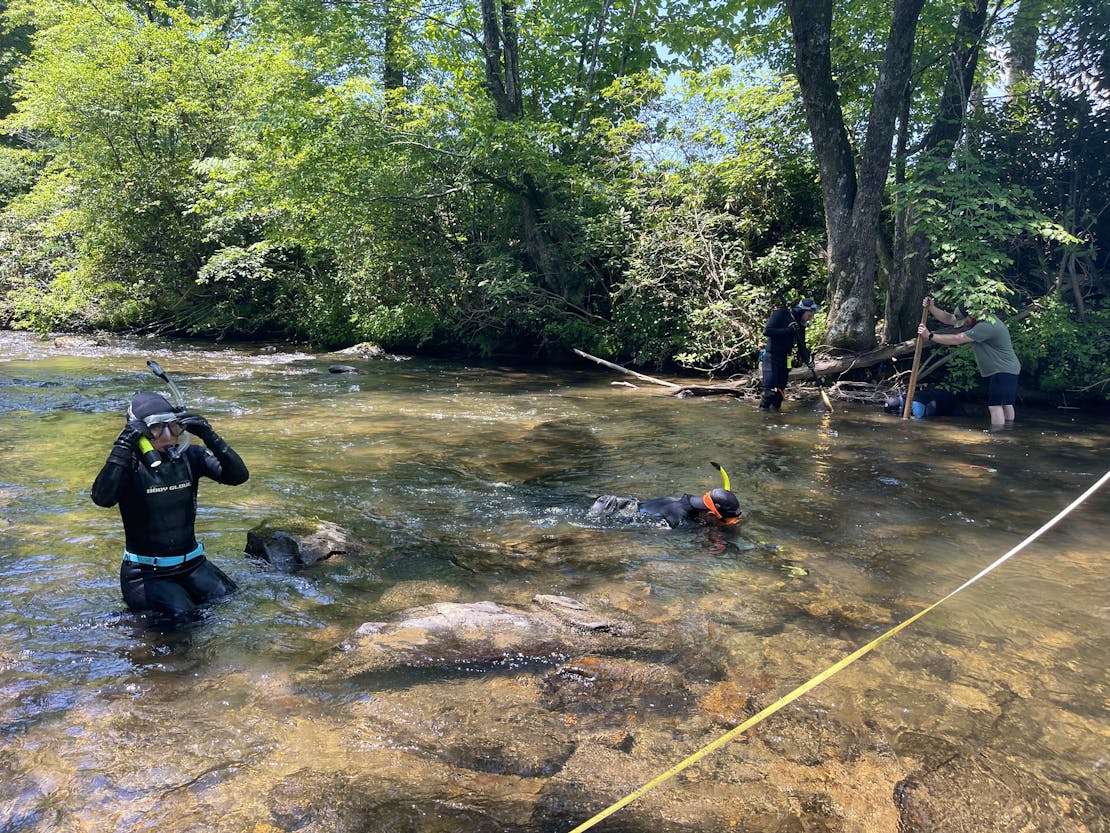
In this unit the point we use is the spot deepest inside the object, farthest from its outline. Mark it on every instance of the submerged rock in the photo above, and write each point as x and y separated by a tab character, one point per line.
451	633
289	544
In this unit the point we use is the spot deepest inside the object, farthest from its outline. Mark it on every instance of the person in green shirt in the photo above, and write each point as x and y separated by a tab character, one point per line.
994	354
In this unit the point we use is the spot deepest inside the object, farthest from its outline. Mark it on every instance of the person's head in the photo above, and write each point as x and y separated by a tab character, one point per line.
723	505
895	404
159	417
805	309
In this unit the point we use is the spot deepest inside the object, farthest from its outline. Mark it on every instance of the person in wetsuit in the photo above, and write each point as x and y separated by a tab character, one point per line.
785	328
927	403
715	507
164	568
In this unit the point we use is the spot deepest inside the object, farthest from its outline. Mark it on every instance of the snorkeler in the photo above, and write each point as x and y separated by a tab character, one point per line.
153	474
716	507
927	403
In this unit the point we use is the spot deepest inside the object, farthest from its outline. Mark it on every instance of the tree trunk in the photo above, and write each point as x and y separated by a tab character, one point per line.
906	291
393	74
502	58
853	204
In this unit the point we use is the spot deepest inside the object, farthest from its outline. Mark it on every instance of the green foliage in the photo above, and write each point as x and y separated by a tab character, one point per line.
974	223
1064	354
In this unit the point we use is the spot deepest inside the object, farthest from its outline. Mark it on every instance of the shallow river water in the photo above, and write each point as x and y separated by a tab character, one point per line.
471	484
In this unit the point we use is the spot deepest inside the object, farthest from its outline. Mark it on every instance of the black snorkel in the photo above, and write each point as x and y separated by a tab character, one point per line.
178	399
151	457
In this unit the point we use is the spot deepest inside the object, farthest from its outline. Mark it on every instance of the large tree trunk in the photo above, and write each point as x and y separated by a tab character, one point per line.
502	60
853	204
908	287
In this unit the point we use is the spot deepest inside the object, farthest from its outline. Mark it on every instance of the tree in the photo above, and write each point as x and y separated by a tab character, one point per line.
854	197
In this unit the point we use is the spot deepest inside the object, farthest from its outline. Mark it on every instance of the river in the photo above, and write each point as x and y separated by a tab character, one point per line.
470	483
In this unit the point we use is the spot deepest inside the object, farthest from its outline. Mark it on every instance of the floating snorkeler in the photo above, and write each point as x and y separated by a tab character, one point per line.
153	473
717	507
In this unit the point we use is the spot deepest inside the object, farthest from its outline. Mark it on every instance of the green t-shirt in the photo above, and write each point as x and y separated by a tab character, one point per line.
994	353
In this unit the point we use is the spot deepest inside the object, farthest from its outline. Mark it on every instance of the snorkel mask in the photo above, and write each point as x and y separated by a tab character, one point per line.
722	503
157	414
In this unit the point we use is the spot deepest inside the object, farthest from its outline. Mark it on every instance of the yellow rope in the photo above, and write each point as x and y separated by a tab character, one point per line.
828	672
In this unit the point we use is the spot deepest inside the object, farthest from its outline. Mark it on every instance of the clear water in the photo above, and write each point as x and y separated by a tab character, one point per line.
470	483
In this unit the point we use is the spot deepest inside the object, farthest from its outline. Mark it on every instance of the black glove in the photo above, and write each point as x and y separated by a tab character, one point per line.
796	327
198	426
129	437
128	442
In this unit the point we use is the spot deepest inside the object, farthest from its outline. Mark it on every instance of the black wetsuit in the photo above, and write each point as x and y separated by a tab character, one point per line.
675	511
781	338
159	507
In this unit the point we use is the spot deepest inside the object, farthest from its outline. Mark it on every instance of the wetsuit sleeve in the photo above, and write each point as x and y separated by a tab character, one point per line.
221	463
803	351
108	486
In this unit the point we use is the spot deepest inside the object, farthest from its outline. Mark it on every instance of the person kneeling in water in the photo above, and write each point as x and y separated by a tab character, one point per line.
155	484
715	507
927	403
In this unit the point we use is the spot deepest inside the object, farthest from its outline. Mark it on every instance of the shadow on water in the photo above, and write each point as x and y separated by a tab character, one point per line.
469	487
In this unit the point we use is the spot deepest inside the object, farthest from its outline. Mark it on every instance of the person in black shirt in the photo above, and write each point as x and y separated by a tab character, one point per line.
785	328
155	483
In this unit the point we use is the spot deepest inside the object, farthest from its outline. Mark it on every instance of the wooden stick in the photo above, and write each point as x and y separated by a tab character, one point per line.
617	367
907	409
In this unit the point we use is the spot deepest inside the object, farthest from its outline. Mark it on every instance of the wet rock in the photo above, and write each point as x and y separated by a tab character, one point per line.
578	615
400	793
300	543
78	341
368	350
342	368
601	685
364	349
449	633
487	722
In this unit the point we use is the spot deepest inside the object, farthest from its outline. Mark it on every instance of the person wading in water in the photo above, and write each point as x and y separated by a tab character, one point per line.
153	474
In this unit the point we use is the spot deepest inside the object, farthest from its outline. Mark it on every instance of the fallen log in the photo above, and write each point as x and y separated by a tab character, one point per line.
748	386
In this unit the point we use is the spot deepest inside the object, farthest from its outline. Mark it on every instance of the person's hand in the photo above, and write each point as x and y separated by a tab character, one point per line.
927	302
796	327
198	426
132	432
922	330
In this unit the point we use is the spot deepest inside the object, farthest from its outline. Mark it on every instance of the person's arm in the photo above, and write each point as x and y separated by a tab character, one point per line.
945	338
108	486
223	465
940	315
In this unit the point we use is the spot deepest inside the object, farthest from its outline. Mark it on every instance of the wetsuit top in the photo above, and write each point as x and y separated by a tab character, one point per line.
159	506
781	337
674	510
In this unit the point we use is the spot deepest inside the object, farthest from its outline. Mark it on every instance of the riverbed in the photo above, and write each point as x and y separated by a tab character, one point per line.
470	483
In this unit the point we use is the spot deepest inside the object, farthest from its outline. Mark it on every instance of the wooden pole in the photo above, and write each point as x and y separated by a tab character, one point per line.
907	409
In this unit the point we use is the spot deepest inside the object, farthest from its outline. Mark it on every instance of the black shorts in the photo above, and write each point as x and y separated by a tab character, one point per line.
1002	389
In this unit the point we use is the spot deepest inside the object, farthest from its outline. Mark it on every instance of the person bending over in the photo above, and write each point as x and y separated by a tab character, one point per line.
155	483
994	355
927	403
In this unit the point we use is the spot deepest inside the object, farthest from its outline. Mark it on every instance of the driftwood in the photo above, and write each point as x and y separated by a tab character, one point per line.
749	386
